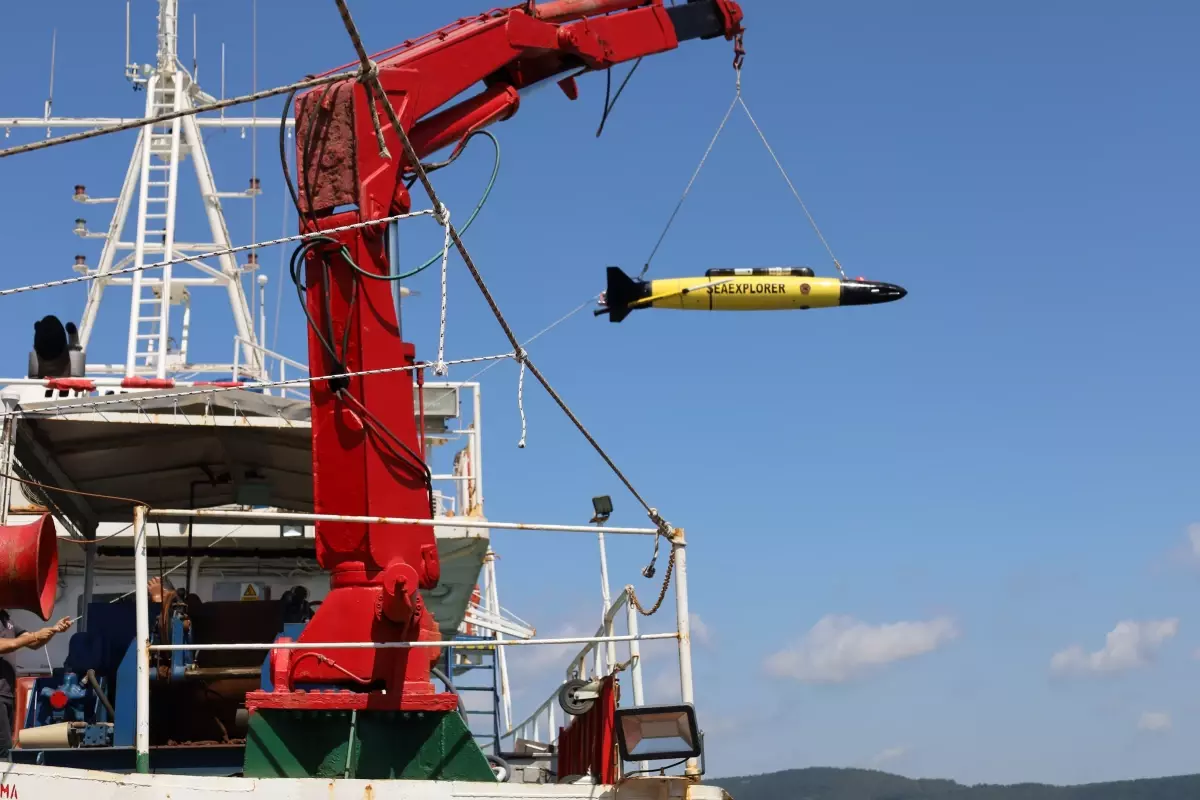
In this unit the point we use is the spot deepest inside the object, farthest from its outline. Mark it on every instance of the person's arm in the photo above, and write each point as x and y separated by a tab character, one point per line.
34	639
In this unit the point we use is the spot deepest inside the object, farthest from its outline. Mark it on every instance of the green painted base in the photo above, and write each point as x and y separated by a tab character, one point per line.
374	745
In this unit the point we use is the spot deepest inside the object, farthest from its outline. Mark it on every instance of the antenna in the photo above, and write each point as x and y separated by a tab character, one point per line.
222	77
195	57
127	2
53	47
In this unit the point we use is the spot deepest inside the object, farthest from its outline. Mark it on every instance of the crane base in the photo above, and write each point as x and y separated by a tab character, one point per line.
370	745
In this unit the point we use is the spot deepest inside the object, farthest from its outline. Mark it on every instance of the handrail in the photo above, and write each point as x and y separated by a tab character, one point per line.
578	669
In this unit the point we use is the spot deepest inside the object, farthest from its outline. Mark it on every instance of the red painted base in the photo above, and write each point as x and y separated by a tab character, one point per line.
341	700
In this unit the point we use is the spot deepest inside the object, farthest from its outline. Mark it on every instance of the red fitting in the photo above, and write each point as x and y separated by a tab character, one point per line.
399	601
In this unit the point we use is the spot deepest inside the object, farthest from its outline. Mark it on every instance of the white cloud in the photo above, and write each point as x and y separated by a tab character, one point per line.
1130	644
701	633
1194	536
1154	721
839	648
890	754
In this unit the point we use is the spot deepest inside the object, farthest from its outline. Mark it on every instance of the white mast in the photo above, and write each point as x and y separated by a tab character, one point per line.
151	189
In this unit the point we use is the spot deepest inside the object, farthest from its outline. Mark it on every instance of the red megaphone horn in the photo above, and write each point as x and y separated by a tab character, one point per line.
29	566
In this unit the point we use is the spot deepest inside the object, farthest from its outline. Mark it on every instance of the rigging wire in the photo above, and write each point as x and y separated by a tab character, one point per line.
247	385
543	331
307	83
213	253
739	99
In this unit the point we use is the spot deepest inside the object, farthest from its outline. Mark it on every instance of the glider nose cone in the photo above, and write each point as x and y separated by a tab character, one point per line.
866	293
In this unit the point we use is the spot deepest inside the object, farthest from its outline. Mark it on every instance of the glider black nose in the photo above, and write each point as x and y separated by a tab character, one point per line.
866	293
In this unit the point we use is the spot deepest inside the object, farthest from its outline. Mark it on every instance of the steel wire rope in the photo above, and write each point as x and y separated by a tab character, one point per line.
307	83
248	385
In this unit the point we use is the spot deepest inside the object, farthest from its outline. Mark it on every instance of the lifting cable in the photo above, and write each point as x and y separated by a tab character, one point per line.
738	99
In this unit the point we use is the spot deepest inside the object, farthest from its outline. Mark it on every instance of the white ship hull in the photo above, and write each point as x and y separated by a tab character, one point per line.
27	782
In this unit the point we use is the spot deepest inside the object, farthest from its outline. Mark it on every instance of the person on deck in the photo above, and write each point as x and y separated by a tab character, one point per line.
13	638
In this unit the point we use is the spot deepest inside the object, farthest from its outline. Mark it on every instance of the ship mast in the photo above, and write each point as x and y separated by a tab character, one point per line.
160	306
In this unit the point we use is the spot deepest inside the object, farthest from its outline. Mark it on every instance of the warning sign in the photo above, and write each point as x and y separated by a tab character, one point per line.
250	592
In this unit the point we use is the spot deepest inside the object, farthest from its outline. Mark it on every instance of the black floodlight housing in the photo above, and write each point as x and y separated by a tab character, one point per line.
603	508
652	733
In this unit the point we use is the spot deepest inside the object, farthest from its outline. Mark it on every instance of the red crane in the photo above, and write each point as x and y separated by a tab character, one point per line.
367	457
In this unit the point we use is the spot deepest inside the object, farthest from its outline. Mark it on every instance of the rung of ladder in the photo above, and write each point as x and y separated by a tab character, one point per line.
147	336
145	300
156	233
148	319
156	216
158	183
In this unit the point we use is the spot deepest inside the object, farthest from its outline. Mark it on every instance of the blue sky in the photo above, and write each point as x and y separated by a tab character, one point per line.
898	515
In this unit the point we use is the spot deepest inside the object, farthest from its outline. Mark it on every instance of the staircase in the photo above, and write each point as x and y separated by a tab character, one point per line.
160	152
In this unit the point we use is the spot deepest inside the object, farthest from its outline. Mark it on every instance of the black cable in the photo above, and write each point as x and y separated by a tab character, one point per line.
654	769
608	107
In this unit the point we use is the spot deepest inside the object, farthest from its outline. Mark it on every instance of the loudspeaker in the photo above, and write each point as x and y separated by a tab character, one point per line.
29	566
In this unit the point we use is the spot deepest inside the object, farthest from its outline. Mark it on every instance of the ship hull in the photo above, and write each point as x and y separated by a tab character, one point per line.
31	782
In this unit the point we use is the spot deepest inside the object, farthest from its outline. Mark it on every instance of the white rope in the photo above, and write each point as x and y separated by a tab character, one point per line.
543	331
442	215
209	390
696	174
520	355
783	172
212	253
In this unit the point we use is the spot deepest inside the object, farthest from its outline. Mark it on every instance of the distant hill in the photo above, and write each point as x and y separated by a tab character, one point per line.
823	783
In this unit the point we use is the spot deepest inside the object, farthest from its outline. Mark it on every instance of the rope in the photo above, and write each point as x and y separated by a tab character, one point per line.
308	83
783	172
440	367
423	176
522	357
76	492
249	385
739	99
695	175
543	331
211	254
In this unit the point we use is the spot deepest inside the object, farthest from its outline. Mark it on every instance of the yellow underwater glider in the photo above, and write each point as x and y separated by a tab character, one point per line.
769	289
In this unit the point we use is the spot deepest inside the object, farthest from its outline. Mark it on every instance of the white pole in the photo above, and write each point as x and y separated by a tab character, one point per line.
684	628
635	656
10	401
604	620
635	650
458	522
477	459
142	606
166	648
501	658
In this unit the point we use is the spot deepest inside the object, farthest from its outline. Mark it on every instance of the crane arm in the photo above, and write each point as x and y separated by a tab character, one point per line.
507	50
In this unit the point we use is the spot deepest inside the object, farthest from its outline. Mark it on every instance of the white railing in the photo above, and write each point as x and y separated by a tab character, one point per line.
547	714
281	364
532	727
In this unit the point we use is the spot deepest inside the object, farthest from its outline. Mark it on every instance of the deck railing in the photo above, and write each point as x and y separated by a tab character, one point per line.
547	716
592	652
